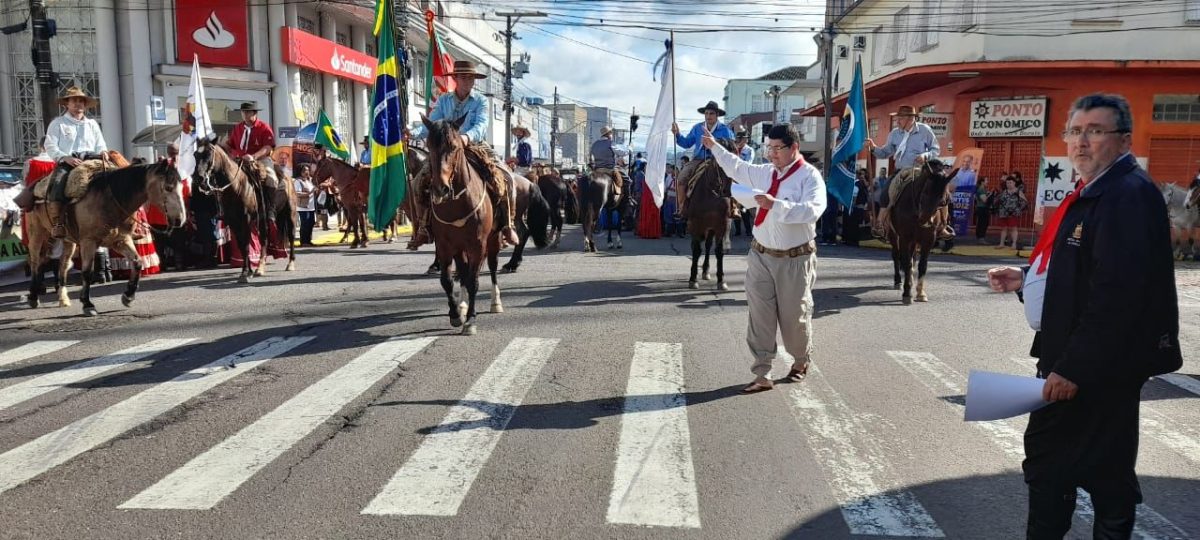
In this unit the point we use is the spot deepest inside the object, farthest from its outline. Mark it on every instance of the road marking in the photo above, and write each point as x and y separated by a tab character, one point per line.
436	479
940	378
35	349
31	459
1183	381
871	502
210	477
654	481
21	392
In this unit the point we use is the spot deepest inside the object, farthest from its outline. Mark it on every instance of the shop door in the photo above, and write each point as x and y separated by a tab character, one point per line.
1174	159
1008	155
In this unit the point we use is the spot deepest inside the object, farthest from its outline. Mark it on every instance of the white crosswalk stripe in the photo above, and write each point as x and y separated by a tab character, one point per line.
436	479
213	475
1182	381
940	378
34	458
654	482
33	350
25	391
866	489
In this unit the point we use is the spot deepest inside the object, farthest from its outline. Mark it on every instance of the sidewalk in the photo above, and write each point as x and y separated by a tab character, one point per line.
965	247
332	237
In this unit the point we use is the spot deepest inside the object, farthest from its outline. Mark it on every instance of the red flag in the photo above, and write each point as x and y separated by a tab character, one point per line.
440	64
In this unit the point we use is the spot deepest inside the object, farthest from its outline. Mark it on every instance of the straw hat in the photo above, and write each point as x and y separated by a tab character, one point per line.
605	131
905	110
77	92
520	131
466	67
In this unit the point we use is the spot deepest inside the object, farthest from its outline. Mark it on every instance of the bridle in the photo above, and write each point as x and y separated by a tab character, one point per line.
459	155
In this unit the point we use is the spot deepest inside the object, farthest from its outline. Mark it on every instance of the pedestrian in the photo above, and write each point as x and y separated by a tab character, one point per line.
1106	319
983	209
668	210
781	265
854	217
829	220
879	196
1010	206
306	203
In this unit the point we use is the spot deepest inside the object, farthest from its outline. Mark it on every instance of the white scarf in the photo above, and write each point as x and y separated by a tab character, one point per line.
904	142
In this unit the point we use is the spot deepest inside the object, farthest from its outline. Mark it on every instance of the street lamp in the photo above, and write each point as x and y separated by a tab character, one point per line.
511	18
774	93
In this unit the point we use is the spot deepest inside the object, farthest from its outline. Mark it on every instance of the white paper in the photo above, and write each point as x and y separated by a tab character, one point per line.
745	195
993	396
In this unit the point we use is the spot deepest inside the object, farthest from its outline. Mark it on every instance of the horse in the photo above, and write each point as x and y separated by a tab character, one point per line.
597	196
464	225
104	216
533	215
353	185
558	195
244	200
708	218
1183	207
912	232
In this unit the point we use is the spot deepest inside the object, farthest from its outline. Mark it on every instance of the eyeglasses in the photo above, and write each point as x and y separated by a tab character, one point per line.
1075	134
776	148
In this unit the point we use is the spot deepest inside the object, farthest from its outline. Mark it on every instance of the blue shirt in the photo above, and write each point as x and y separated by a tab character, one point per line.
365	157
524	154
693	137
449	108
747	154
920	142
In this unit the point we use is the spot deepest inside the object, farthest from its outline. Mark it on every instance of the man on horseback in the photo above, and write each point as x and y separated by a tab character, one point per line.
911	144
253	140
687	176
604	159
470	107
70	139
524	150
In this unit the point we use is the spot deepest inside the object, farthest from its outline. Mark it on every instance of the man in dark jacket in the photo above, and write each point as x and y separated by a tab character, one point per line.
1108	321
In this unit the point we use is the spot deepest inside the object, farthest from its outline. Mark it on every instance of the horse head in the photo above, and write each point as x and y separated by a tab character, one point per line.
932	181
1193	198
206	155
164	189
447	153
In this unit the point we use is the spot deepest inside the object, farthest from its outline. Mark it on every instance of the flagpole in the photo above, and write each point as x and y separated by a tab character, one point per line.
673	120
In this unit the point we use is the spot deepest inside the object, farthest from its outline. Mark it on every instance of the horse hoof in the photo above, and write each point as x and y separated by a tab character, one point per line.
497	308
291	267
244	278
693	285
922	298
907	300
126	299
456	322
722	286
469	329
34	302
896	287
706	277
90	312
610	245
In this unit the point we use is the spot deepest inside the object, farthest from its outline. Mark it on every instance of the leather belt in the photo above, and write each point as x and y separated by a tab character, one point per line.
807	248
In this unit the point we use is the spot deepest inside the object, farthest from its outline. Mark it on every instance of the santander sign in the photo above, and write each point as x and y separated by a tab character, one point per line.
308	51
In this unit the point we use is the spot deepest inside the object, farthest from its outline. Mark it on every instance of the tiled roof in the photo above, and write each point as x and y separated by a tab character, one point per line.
790	73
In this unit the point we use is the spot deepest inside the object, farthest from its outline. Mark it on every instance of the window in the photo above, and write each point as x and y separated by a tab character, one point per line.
306	24
1177	108
878	60
872	126
927	109
343	39
310	94
1191	13
898	44
927	36
966	15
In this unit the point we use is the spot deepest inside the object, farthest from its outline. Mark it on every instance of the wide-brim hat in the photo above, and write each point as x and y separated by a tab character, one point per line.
742	134
77	92
249	107
905	110
366	140
520	131
711	106
605	131
466	67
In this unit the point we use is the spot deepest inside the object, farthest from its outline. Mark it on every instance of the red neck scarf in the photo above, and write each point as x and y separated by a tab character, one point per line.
776	180
1045	243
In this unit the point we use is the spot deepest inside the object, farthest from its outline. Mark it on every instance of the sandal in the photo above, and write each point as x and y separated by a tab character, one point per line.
797	375
756	387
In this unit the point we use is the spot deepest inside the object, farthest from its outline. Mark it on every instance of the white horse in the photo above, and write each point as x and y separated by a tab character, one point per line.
1183	207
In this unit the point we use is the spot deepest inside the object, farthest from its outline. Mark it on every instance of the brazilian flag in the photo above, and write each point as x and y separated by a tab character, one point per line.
388	173
329	138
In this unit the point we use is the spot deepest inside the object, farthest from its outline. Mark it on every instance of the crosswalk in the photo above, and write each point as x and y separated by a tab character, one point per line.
654	480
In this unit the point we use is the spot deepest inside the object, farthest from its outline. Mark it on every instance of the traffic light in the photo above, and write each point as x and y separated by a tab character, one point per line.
633	123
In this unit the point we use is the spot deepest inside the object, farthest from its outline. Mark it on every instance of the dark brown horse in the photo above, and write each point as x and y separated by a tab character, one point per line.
532	217
596	196
558	196
708	218
353	186
464	224
245	201
912	231
104	216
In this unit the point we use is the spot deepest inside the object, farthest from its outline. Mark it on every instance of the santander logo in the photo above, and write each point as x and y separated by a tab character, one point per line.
341	64
213	34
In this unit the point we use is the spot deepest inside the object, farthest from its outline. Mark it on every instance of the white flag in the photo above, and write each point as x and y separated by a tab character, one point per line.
661	140
196	123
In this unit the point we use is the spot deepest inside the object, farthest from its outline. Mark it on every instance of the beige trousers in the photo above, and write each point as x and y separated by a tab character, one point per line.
779	298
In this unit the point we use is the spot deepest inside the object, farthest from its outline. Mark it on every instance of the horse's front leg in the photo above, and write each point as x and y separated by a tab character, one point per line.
290	237
906	262
264	247
37	279
362	227
87	256
922	266
695	263
896	266
493	261
243	240
126	249
469	275
709	238
64	267
721	286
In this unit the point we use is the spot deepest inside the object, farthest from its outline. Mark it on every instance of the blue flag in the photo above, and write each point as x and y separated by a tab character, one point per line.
852	134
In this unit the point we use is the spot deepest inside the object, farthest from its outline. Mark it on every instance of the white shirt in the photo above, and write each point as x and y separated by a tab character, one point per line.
792	220
65	136
306	185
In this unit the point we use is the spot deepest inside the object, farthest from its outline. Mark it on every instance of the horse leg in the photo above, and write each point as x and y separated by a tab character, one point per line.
610	231
264	247
519	250
87	255
126	249
448	286
896	265
37	279
362	227
906	262
493	257
922	265
620	222
469	274
695	262
243	240
289	234
709	238
64	267
721	286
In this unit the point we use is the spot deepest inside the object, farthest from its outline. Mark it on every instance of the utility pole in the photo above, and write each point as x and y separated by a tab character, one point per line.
47	79
508	37
774	93
827	95
553	126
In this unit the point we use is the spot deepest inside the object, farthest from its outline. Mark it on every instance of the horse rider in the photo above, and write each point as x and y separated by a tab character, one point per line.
253	140
911	144
686	177
364	159
70	140
604	159
469	106
741	143
524	150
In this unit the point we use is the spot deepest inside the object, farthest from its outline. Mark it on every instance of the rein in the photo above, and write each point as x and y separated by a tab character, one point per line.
454	170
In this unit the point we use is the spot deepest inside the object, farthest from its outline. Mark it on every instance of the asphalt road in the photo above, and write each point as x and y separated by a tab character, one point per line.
337	402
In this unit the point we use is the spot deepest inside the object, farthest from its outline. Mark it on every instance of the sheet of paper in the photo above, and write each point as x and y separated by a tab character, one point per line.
745	194
993	396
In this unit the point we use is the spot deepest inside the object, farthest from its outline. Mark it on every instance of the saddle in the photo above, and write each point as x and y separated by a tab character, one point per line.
77	180
479	156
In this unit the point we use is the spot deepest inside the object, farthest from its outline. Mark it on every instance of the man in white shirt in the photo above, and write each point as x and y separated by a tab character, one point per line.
782	263
70	139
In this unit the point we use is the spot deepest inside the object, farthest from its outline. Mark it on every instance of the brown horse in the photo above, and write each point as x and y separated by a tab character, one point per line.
104	216
912	231
244	201
354	185
708	218
596	196
464	225
558	196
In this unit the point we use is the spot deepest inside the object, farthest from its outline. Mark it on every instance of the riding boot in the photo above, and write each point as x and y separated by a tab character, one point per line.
945	230
55	210
508	233
420	231
881	224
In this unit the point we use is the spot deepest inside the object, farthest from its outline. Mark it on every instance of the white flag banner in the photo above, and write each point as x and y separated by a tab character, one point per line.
196	123
661	140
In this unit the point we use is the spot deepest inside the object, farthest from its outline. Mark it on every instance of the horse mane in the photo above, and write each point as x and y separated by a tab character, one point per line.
124	183
228	168
441	133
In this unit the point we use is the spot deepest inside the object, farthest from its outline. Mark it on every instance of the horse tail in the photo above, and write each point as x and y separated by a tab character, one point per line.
539	217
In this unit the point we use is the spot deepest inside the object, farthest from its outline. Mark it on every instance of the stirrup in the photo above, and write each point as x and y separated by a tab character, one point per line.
58	230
